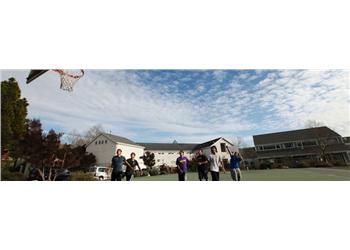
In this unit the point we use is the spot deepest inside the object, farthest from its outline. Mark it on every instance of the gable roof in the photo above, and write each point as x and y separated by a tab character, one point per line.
294	135
209	143
168	146
179	146
116	139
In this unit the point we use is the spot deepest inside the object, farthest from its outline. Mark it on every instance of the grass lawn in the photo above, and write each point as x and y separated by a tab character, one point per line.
301	174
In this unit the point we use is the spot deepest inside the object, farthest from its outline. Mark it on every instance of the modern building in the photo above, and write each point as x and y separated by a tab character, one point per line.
311	144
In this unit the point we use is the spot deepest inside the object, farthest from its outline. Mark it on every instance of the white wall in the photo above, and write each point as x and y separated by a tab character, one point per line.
128	149
169	156
103	152
224	155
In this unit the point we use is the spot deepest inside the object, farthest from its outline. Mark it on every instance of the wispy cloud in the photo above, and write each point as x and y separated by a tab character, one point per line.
191	106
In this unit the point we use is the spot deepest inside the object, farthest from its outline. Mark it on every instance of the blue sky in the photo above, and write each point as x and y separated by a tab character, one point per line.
190	105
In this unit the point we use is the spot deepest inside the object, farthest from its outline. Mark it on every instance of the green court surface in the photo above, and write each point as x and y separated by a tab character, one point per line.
301	174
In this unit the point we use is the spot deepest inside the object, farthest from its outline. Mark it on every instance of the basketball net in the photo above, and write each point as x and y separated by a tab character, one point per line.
69	77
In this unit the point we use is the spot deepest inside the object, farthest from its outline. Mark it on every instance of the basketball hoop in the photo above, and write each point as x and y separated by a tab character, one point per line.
69	77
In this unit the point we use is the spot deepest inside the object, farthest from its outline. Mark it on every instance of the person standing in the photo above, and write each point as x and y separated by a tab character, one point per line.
117	166
235	163
130	168
182	163
202	162
215	164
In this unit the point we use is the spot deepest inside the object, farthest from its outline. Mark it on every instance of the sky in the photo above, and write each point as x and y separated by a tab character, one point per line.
190	106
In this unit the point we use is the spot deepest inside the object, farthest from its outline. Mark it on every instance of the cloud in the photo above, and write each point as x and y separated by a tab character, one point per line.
219	75
190	106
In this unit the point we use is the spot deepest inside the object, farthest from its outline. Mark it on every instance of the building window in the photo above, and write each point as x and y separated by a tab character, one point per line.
278	146
269	147
96	142
289	145
223	147
105	141
260	148
99	142
309	143
332	141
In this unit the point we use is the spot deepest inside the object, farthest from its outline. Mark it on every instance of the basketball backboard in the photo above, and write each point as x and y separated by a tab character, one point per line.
68	77
35	73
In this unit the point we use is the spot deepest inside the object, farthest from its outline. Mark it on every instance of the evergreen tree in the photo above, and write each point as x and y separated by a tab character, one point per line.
13	115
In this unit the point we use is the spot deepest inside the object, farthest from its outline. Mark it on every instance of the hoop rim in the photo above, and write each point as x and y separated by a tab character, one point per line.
62	72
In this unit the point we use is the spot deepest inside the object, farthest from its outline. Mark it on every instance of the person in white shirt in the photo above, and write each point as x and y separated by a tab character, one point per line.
215	162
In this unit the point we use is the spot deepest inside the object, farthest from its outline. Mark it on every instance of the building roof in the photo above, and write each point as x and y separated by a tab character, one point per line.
335	148
248	152
168	146
116	139
207	144
179	146
294	135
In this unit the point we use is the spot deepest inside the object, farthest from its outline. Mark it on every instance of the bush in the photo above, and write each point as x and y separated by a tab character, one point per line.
265	165
81	176
164	169
323	165
137	173
338	163
302	164
7	175
154	171
192	166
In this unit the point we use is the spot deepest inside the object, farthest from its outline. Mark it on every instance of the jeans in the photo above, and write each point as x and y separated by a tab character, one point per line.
202	173
118	175
129	175
215	176
182	176
236	174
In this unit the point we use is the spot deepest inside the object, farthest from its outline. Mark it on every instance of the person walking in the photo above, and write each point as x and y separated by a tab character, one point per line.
202	165
117	166
182	163
235	163
131	165
215	164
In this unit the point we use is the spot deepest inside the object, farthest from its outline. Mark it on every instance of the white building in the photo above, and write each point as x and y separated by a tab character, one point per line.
104	147
166	153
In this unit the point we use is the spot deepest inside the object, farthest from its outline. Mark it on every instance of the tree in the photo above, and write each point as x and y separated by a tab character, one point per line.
149	159
321	137
40	149
75	157
13	115
323	142
32	145
239	141
80	139
313	124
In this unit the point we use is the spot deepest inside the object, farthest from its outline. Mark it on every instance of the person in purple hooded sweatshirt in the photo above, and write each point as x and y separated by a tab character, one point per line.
182	163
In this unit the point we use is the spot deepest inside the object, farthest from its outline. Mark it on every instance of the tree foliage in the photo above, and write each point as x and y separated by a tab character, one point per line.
149	159
80	139
45	152
13	115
